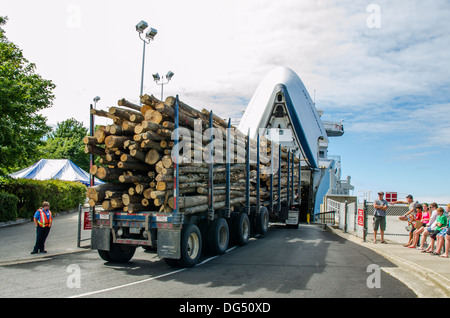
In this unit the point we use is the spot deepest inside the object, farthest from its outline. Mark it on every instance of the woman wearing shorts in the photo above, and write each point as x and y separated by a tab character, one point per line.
426	214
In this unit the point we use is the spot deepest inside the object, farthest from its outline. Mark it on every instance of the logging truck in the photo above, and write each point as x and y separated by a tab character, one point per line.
183	182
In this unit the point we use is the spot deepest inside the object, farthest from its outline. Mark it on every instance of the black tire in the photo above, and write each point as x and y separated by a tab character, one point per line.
104	255
118	253
172	262
262	221
240	229
218	236
191	246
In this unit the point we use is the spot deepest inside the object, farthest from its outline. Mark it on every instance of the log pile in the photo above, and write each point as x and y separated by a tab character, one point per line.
135	153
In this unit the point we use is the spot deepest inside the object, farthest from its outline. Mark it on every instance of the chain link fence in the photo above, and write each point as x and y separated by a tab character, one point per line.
357	218
396	230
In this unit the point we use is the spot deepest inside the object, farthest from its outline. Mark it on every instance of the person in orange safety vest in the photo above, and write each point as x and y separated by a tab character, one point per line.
43	222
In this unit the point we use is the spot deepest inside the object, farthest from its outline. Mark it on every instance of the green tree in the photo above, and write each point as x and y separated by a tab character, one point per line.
23	93
66	142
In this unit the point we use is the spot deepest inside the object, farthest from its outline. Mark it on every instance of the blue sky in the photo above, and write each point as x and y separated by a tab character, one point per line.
381	66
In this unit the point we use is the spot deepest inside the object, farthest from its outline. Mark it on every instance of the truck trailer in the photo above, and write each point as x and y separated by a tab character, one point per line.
276	155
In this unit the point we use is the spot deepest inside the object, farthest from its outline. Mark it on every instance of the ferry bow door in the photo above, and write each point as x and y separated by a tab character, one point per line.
280	130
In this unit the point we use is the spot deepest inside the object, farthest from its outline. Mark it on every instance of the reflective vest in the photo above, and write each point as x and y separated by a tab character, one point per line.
44	221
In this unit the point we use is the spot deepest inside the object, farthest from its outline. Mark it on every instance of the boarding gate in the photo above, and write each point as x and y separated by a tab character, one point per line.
84	226
357	219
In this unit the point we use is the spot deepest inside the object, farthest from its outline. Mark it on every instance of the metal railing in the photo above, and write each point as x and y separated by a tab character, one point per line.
357	219
325	217
84	225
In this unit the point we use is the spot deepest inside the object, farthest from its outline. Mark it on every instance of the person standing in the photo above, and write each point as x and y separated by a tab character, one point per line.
379	217
411	205
43	222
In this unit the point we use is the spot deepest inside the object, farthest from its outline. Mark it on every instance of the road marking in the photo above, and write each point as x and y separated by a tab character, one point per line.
147	279
127	285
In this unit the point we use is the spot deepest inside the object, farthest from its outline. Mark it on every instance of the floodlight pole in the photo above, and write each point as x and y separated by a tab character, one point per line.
140	27
142	74
162	84
91	156
91	133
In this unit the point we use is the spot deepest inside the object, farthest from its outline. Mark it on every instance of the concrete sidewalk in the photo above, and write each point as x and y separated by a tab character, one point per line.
420	266
17	239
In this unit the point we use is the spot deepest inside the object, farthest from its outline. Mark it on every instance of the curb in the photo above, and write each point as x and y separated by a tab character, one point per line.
25	220
39	258
18	221
438	280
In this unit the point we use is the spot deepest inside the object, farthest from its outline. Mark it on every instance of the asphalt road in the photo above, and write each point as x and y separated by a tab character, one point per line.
307	262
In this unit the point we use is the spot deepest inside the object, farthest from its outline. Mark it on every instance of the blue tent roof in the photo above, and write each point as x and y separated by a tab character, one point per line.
61	169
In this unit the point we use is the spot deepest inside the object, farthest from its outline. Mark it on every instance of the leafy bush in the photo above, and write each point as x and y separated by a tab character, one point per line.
62	195
8	206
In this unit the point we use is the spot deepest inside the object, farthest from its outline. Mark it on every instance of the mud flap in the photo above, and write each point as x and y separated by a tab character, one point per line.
284	213
169	243
100	238
293	217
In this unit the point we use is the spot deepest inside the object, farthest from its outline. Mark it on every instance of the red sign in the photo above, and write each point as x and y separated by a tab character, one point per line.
391	196
87	221
361	217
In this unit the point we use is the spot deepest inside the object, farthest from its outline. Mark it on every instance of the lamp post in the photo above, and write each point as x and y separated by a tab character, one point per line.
160	80
91	133
149	35
96	99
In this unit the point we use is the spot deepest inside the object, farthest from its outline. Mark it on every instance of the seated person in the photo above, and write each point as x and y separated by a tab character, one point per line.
441	222
425	221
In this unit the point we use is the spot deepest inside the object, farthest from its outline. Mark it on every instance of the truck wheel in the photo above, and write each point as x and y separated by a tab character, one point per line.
191	246
118	253
240	229
262	221
172	262
218	236
104	255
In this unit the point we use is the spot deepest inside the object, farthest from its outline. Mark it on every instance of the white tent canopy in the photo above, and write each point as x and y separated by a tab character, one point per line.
61	169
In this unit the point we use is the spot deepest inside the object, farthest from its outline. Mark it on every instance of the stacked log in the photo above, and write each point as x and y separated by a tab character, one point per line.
135	153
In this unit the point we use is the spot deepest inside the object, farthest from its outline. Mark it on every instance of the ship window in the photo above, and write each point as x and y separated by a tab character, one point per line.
279	97
279	112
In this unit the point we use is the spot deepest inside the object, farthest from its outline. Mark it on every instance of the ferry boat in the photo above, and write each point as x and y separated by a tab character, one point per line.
282	110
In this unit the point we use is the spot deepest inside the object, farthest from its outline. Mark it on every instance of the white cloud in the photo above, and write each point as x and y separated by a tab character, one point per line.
389	84
220	50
